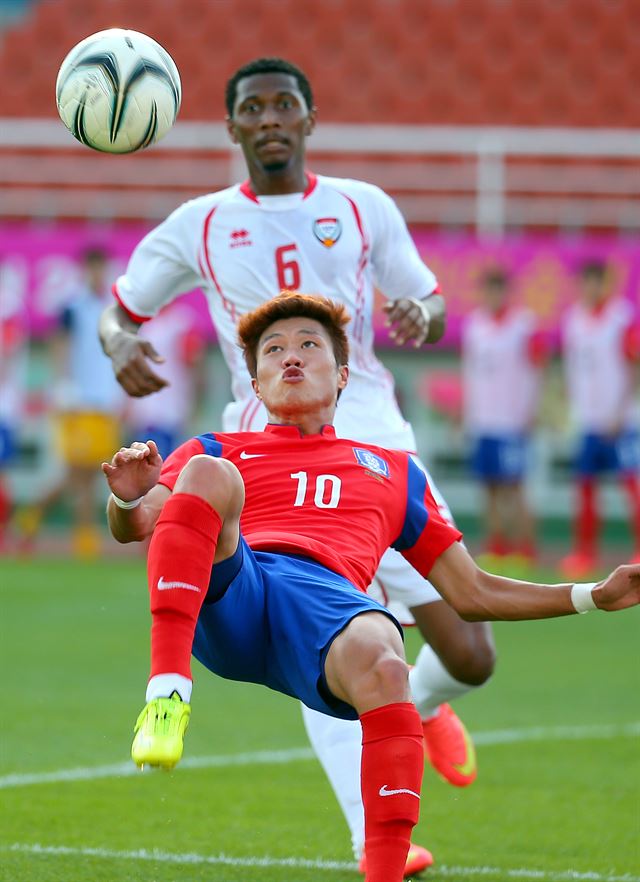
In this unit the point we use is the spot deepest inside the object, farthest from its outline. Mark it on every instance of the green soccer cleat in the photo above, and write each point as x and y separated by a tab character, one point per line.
159	732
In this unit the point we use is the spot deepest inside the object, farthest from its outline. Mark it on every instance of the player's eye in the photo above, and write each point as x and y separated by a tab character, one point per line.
286	103
307	343
250	107
273	348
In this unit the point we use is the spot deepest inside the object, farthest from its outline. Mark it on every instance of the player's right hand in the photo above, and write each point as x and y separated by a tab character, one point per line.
133	470
130	357
620	590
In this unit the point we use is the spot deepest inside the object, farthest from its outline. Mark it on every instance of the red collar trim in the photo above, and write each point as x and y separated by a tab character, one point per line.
294	432
312	182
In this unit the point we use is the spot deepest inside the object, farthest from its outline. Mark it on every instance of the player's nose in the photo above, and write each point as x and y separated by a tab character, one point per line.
269	117
292	359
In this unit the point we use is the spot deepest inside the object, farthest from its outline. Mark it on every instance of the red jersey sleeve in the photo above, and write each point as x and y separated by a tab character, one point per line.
425	534
176	461
631	342
538	348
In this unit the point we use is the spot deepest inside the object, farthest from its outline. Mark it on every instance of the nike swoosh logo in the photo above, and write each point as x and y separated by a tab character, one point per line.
384	791
166	586
468	766
245	455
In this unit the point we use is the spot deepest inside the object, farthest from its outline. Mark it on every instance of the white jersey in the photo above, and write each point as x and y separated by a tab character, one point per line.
340	238
89	384
172	407
501	384
599	376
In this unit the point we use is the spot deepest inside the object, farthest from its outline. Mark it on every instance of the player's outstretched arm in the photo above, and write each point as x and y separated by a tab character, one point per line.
129	354
480	596
136	497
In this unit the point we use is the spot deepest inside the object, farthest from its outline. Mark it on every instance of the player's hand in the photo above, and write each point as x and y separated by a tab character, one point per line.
409	321
620	590
133	470
130	357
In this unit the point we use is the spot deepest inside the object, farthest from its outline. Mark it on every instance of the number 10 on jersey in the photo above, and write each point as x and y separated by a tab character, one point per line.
326	486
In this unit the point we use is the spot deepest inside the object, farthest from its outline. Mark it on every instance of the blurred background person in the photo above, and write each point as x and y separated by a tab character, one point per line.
87	406
14	345
502	353
601	346
165	417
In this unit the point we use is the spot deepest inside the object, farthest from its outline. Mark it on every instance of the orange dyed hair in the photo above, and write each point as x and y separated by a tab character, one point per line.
291	304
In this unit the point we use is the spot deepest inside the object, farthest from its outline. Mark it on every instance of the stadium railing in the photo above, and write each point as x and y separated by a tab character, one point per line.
491	179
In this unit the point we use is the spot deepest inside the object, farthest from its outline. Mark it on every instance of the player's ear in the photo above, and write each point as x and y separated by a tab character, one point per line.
256	388
343	379
310	123
231	129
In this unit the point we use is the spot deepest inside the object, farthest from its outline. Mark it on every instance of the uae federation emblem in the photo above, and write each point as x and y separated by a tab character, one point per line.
327	230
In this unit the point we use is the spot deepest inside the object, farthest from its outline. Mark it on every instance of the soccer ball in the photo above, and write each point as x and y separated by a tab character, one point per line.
118	91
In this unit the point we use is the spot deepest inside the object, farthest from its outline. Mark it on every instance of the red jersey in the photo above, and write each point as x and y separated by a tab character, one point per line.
336	501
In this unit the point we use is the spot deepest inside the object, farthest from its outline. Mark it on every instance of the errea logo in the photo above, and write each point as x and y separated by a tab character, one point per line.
239	238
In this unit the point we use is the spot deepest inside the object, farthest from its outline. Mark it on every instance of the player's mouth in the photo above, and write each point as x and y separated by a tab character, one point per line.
271	143
292	375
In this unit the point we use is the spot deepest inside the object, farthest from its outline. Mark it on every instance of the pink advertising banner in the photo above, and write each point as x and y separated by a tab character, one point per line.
39	269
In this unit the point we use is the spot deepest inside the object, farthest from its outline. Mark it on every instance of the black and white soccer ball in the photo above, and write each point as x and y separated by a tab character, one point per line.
118	91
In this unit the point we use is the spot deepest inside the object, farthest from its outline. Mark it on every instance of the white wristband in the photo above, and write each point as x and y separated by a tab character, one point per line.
122	504
582	597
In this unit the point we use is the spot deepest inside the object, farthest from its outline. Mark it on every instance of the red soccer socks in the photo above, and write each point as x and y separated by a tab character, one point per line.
392	767
179	565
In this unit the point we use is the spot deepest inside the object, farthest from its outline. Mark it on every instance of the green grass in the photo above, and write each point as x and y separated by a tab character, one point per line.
74	647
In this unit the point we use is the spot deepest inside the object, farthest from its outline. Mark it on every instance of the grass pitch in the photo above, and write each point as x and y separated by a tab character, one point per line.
557	797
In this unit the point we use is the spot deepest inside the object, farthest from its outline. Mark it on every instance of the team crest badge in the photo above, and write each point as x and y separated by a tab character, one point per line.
372	462
327	230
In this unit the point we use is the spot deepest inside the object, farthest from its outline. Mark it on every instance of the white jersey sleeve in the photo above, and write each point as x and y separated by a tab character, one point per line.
399	271
165	263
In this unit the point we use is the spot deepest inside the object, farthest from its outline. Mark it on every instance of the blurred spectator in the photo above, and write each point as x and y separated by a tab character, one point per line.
13	379
601	342
87	404
502	353
165	416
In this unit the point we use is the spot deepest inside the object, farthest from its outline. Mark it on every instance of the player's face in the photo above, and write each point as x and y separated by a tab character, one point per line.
270	121
496	296
297	375
594	289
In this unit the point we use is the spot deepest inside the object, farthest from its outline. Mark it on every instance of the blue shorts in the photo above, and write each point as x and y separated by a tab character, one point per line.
7	443
499	458
275	622
166	439
605	453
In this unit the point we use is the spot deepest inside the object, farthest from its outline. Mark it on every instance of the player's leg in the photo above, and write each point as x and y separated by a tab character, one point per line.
365	667
583	559
198	526
627	464
524	531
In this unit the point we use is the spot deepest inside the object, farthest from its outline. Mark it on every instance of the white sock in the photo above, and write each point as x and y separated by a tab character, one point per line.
162	685
432	685
338	746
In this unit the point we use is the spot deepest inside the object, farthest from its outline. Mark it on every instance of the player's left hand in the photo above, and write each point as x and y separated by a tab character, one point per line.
620	590
409	321
133	470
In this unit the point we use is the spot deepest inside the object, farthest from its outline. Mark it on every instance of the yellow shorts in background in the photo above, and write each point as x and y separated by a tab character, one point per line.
87	438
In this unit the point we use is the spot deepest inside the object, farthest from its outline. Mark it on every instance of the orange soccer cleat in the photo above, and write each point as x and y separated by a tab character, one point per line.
418	859
449	748
578	565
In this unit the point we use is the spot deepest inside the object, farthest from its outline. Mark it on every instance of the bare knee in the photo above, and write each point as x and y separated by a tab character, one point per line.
215	480
472	660
389	677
